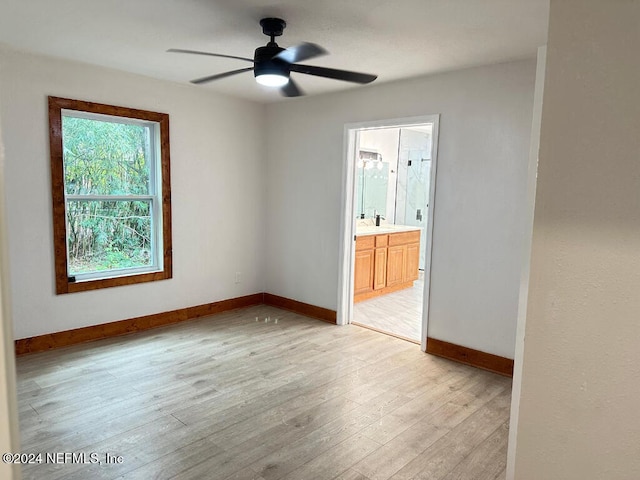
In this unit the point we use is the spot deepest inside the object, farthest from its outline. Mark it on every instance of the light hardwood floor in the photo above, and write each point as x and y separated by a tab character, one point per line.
398	313
229	397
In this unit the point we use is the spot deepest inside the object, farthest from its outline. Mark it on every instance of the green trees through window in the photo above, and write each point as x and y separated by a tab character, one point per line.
107	159
104	157
108	235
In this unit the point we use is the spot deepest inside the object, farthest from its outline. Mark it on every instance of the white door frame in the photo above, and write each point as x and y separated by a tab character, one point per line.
348	221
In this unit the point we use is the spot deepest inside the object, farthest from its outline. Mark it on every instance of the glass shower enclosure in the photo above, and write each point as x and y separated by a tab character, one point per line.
414	180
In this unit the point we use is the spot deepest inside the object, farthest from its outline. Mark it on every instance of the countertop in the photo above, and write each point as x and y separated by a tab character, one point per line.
363	230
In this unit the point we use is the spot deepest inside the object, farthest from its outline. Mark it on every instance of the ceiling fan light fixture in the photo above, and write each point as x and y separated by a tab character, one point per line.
272	80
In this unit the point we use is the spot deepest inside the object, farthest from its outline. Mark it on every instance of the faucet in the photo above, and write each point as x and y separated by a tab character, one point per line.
378	217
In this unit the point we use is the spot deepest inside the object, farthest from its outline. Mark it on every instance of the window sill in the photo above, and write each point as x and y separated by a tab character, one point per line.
95	284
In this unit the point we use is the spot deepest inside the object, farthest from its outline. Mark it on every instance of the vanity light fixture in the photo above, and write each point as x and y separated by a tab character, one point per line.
369	159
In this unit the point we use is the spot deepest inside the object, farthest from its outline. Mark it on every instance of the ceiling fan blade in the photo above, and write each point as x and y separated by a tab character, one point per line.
195	52
345	75
211	78
301	52
291	89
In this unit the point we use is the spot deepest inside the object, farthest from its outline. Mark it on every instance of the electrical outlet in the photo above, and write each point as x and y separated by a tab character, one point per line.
238	277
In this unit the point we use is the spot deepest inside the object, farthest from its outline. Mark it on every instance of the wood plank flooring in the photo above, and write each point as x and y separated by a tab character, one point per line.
398	313
235	397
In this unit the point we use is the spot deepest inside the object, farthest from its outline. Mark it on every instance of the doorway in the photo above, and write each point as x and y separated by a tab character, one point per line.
389	191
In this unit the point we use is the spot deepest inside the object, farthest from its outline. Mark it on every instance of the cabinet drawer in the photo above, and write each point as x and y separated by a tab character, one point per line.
381	240
365	243
404	238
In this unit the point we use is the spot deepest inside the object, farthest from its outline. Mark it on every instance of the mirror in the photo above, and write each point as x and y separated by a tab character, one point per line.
372	183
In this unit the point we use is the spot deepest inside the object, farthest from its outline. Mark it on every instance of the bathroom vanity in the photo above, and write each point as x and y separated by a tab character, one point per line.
386	259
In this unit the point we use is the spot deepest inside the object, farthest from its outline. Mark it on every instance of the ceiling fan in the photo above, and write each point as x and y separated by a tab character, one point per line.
272	64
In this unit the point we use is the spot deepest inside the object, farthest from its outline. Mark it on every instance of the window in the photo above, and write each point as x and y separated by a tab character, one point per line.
111	195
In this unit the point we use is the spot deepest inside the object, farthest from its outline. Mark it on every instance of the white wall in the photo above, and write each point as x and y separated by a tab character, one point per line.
526	255
580	390
8	402
217	175
485	129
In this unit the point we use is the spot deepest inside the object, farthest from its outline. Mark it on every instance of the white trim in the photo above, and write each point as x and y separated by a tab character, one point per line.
347	229
347	224
155	187
108	198
104	117
526	261
426	296
121	272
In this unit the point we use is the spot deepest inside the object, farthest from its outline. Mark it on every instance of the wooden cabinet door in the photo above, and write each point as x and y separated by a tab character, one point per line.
396	257
380	275
412	263
363	276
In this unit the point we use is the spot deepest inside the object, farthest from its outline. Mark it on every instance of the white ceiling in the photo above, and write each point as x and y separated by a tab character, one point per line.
392	38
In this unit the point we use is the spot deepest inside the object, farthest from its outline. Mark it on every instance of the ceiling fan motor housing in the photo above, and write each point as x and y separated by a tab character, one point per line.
265	64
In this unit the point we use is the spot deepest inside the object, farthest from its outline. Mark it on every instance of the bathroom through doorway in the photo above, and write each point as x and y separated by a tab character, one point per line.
392	191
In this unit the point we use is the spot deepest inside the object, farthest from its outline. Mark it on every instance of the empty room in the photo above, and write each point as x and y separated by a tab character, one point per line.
319	240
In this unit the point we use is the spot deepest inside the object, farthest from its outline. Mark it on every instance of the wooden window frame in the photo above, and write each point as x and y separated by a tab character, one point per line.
63	282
